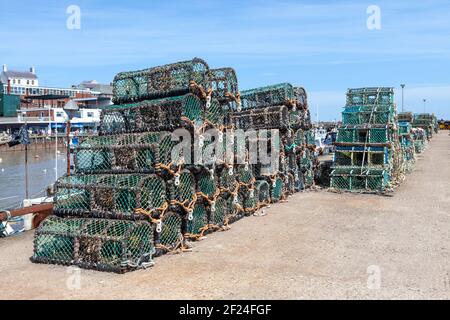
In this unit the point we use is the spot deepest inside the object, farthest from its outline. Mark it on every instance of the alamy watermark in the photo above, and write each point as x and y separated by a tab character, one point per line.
374	278
374	19
73	281
232	147
73	21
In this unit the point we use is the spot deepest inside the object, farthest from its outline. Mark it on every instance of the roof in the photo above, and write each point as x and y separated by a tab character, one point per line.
93	85
103	88
20	74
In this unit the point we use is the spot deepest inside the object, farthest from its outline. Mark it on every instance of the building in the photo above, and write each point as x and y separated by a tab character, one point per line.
42	108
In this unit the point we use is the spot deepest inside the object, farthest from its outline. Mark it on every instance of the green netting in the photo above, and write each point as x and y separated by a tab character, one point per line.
244	173
155	115
182	188
219	211
289	184
224	83
404	128
379	135
306	162
308	178
107	245
262	191
210	148
162	81
274	95
370	96
363	135
207	183
367	117
197	221
121	153
299	137
276	189
215	112
227	178
250	200
262	118
359	156
360	180
298	180
170	236
113	196
310	137
406	117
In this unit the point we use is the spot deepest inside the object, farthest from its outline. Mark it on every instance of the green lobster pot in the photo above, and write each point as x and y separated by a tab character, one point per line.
223	82
274	95
162	81
289	184
183	186
219	211
198	220
71	194
152	192
170	236
157	115
262	191
207	184
105	245
276	189
250	200
227	179
244	173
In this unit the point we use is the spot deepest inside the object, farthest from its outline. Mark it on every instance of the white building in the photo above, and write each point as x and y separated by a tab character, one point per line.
27	83
18	80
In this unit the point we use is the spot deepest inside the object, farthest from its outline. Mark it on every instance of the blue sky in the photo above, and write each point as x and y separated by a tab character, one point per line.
324	46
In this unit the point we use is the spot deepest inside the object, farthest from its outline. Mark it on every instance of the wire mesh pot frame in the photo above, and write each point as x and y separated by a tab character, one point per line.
276	117
224	83
122	159
161	81
277	190
269	96
111	196
169	228
99	244
165	114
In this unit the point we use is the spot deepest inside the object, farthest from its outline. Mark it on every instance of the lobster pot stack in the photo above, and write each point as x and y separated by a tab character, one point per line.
428	122
407	144
132	194
167	166
281	116
369	156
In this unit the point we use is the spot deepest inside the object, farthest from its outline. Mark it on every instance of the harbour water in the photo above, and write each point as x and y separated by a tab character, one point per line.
41	173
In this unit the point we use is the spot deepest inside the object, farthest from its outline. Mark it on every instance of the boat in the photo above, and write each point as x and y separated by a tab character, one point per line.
4	138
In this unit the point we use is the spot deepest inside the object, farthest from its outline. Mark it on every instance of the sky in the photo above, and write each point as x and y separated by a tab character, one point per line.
324	46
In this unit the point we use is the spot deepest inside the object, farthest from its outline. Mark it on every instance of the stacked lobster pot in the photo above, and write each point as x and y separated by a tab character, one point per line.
369	156
153	179
131	196
408	128
407	144
280	114
426	121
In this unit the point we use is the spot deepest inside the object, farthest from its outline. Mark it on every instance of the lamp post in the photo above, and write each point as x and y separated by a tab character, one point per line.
424	105
403	97
71	108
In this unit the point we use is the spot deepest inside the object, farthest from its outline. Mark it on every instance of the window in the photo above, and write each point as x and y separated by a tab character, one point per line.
59	114
14	81
90	114
32	82
18	81
28	82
